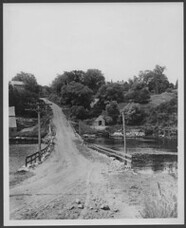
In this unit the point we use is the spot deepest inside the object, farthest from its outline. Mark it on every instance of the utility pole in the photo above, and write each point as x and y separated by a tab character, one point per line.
124	133
38	109
39	131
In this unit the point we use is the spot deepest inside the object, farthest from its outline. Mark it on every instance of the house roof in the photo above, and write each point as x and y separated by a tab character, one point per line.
12	111
12	122
18	83
99	118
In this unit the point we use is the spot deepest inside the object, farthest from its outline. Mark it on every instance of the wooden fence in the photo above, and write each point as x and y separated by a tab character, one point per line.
34	157
113	153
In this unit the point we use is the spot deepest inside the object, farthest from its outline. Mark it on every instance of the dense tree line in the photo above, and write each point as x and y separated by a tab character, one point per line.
88	95
78	89
21	98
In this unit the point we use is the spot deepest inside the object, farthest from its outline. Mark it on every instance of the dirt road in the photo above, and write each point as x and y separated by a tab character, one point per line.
78	183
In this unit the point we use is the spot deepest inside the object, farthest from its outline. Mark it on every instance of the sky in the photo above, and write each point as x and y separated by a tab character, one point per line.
120	39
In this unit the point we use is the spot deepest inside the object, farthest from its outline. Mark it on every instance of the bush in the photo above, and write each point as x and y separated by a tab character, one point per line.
133	114
112	110
163	207
79	112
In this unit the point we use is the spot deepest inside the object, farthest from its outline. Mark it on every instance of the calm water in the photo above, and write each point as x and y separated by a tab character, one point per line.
149	155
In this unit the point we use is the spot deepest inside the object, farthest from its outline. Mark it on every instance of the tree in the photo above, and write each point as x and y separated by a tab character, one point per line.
165	114
66	78
156	80
112	110
79	112
139	93
133	114
110	92
29	81
45	91
21	99
94	79
76	94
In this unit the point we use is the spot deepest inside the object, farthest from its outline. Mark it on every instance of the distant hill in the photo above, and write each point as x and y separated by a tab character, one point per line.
155	100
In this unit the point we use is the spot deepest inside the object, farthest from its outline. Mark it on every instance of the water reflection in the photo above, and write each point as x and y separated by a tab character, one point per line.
148	154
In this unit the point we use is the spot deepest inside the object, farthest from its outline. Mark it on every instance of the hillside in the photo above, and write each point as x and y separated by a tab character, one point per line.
155	100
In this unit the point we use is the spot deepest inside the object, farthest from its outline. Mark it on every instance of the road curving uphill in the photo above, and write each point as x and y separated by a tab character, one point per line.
76	182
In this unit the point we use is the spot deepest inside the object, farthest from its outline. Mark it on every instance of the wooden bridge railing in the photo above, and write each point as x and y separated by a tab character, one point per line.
123	156
33	157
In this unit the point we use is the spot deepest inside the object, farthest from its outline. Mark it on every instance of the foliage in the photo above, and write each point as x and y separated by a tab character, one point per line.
54	98
164	115
21	99
66	78
29	81
76	94
162	206
79	112
112	110
85	128
45	91
155	79
133	114
139	93
94	79
110	92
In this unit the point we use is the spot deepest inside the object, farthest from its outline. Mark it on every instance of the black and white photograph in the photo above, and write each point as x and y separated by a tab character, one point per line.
93	113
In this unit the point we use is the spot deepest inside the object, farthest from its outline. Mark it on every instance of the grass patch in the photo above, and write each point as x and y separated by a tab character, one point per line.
17	155
17	178
161	205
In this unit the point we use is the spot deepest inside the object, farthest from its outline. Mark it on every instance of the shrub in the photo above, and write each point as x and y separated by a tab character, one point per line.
163	207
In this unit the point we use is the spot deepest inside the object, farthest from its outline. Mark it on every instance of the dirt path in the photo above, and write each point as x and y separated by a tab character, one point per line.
76	183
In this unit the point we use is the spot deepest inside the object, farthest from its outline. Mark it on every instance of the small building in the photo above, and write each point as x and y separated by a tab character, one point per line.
100	121
12	121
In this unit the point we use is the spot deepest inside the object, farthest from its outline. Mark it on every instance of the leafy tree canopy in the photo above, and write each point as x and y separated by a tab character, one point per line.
133	114
79	112
139	93
94	79
112	110
76	94
110	92
29	81
155	79
165	114
66	78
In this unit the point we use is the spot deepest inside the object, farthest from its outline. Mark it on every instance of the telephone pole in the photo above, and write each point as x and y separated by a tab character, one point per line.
124	133
39	131
38	108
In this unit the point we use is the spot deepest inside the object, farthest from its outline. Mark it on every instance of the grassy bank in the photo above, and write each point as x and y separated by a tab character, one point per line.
17	155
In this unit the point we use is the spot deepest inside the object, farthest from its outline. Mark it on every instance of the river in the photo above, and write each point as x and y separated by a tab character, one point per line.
149	155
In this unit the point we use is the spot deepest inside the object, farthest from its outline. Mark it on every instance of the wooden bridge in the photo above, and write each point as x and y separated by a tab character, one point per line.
127	158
